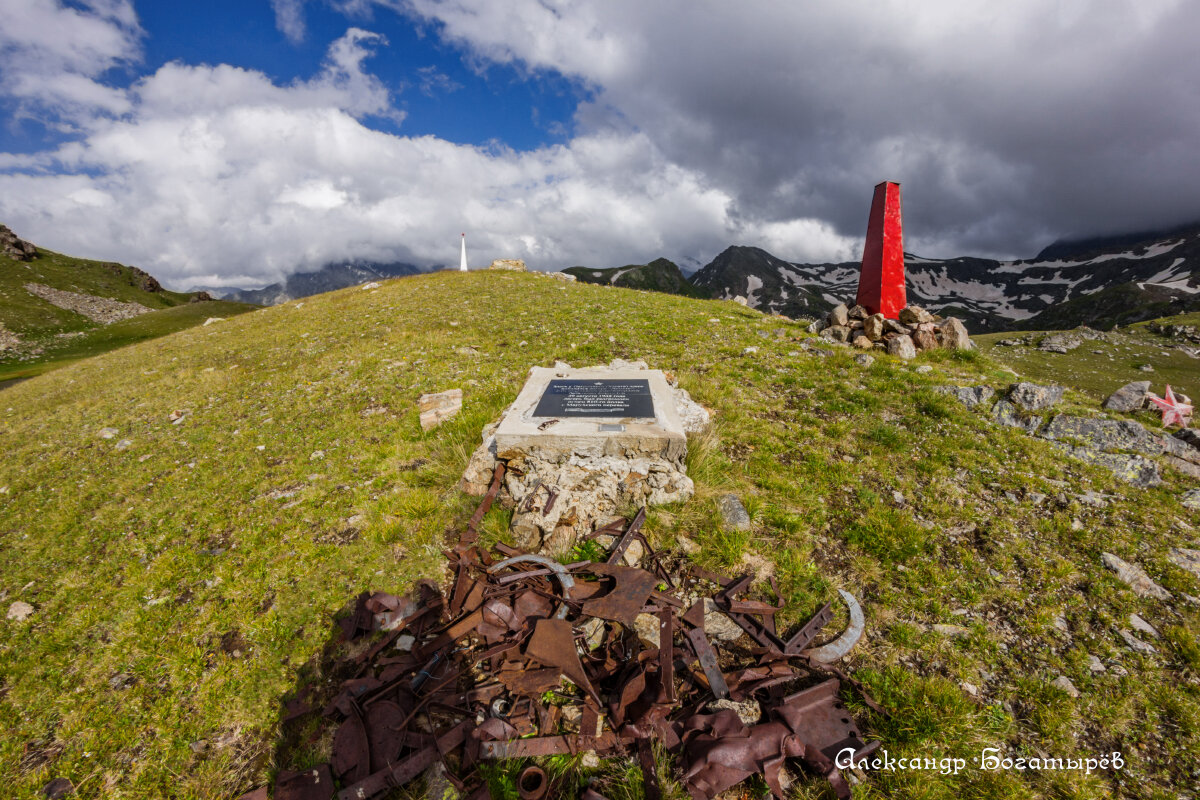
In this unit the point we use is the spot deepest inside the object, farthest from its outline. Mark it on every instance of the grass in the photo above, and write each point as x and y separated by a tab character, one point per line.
1100	367
186	583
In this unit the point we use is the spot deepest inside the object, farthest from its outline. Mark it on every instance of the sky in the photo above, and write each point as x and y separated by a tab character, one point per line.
231	143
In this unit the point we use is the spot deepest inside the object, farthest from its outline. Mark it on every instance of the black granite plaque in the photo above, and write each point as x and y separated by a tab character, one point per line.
596	398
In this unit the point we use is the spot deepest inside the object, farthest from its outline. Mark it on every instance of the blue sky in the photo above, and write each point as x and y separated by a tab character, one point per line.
233	143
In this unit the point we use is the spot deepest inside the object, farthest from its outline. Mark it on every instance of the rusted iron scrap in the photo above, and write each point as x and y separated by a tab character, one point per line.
525	657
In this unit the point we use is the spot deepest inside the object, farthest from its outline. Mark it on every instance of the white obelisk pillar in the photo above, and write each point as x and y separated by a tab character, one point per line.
462	262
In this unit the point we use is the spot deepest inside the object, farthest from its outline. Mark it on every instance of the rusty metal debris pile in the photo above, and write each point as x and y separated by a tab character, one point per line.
525	657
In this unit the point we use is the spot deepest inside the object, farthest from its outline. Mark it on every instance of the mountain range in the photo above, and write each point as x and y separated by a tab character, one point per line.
1099	282
332	276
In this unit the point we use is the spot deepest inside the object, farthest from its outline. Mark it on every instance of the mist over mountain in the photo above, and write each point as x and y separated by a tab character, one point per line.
328	278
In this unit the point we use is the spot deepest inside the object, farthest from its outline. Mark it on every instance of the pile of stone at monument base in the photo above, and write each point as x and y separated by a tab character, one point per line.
523	657
915	329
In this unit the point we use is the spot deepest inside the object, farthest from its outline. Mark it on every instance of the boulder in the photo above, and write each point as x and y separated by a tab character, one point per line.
1005	413
858	312
514	264
902	347
1129	397
438	407
1191	499
734	516
925	339
1032	397
1135	576
892	326
863	343
1186	559
1059	343
873	327
1135	470
1105	434
913	315
836	333
969	396
839	315
953	334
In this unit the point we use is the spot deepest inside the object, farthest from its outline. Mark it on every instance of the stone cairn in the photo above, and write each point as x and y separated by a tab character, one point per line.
915	329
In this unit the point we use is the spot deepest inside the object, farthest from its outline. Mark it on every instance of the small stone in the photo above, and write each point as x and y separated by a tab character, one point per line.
438	407
1136	644
970	689
913	315
924	369
1140	624
590	759
717	625
1129	397
839	315
953	631
405	642
123	444
1032	397
749	351
1187	559
873	327
1095	665
902	347
1146	368
20	611
925	339
733	513
741	301
58	788
1191	499
864	360
316	455
688	546
199	747
836	333
647	628
749	712
897	497
1064	683
108	433
1135	576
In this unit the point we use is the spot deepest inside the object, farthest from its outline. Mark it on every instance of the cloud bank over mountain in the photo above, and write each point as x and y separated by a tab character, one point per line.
706	124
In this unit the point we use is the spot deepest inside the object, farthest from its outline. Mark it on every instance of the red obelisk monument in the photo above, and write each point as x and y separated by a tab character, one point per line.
881	279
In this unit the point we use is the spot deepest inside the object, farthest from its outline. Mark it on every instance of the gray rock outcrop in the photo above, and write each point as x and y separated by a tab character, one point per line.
1129	397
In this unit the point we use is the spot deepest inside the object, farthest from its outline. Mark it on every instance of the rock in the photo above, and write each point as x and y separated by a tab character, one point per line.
970	689
108	433
1135	576
1064	683
14	247
897	497
953	335
200	297
372	285
695	417
1185	558
19	611
1189	436
1188	468
1129	397
563	276
902	347
1095	664
741	301
514	264
858	312
1136	644
925	339
1093	499
1191	499
1146	368
688	546
864	360
913	315
839	315
438	407
1133	469
863	343
892	326
1032	397
952	631
733	514
873	327
124	444
836	333
717	625
969	396
1005	413
815	327
58	788
749	351
1059	343
212	320
1102	433
1140	624
749	712
97	309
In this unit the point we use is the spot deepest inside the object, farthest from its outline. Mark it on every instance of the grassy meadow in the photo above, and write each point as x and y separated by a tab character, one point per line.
185	576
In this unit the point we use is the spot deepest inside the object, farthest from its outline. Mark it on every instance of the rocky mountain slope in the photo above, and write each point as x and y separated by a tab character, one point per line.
188	517
660	275
55	307
327	279
1098	283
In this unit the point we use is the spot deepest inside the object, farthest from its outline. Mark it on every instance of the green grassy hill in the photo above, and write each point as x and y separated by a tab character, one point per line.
183	575
50	336
1100	366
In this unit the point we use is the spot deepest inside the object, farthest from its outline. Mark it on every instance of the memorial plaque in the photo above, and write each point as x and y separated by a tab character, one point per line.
596	398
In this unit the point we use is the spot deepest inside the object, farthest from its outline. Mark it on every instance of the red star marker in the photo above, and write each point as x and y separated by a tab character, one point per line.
1172	410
